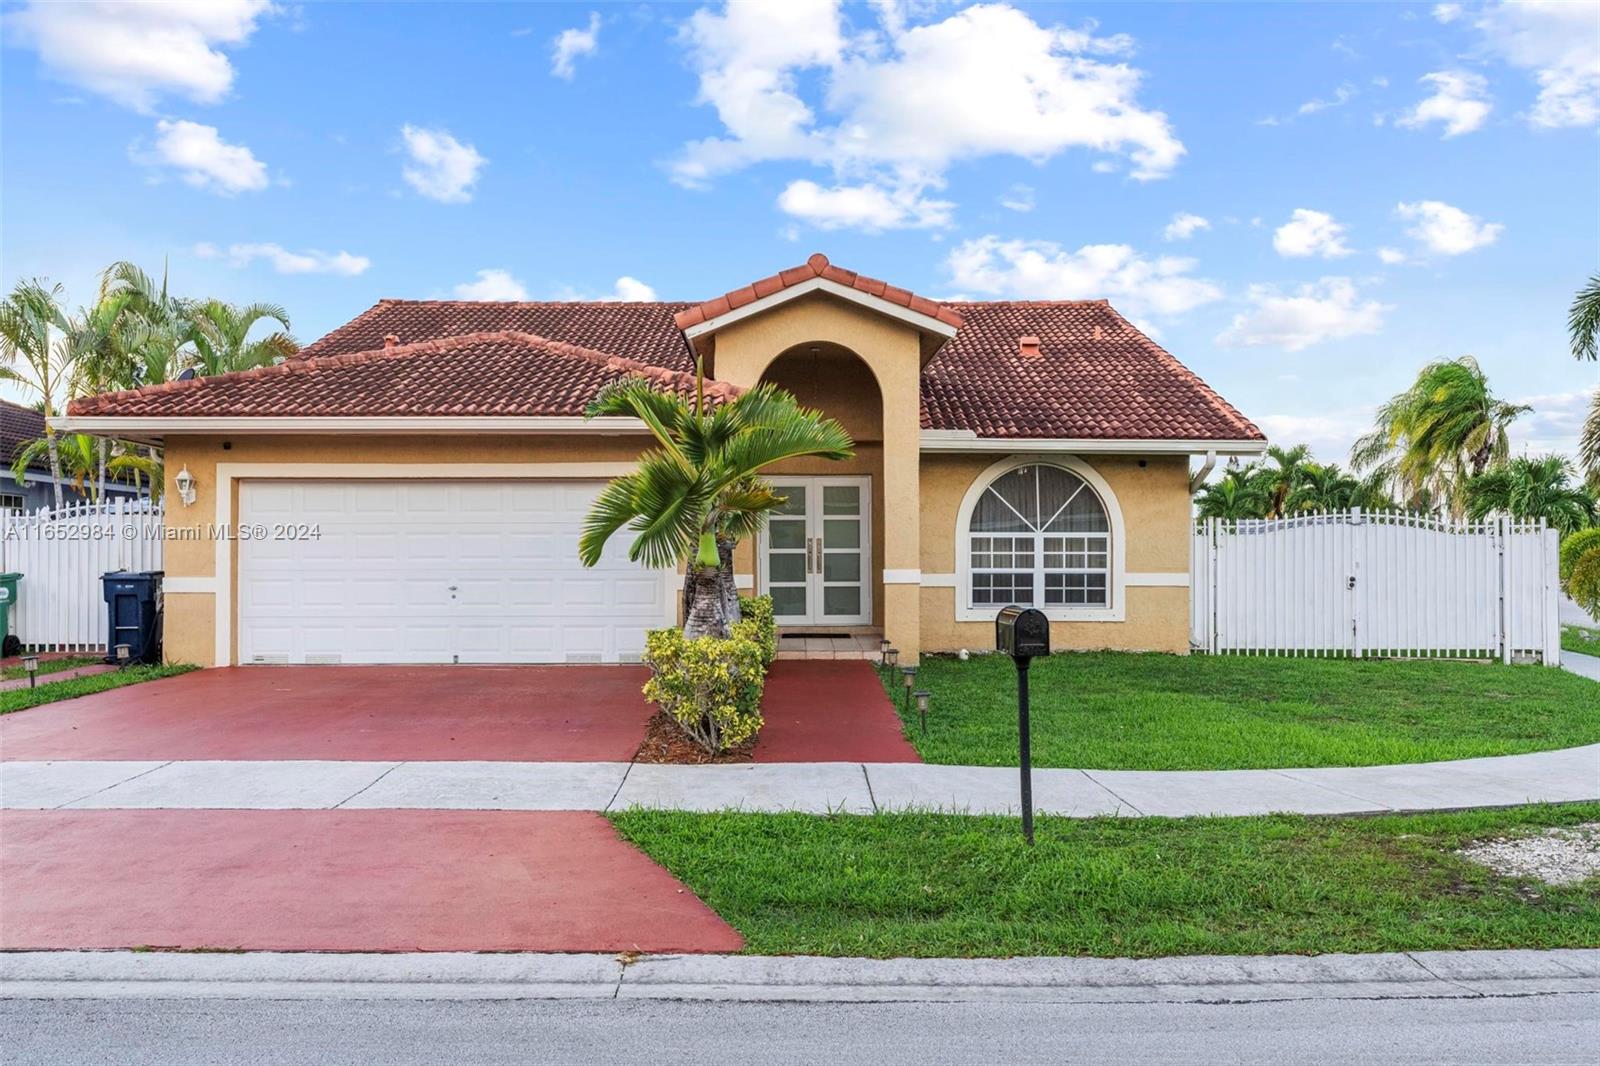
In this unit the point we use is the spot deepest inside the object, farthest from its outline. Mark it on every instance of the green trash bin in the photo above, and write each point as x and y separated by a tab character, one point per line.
9	645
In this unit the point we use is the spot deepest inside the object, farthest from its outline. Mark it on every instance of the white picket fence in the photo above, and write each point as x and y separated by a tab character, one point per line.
61	555
1377	584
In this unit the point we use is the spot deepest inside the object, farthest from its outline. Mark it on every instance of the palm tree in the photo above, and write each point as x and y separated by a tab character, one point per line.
699	492
1241	492
1531	489
1446	428
76	457
1285	477
34	358
1324	488
1584	323
221	336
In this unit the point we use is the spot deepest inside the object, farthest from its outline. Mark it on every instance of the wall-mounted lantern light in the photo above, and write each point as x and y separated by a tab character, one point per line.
185	484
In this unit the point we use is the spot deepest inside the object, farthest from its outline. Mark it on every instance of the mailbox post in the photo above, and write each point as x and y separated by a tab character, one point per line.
1022	633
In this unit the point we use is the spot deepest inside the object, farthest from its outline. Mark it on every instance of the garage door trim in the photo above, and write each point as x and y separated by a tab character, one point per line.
229	473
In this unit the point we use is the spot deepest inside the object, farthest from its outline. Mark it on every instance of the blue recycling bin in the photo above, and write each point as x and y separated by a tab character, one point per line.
133	607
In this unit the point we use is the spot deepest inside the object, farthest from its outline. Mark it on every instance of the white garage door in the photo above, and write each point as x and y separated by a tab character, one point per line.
434	572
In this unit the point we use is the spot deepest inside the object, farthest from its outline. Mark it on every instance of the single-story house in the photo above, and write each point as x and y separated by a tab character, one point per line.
409	488
19	427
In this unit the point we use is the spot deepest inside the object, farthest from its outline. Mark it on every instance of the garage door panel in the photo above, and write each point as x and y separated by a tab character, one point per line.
376	586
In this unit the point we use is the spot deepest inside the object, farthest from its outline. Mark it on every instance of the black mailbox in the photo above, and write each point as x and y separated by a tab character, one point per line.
1022	632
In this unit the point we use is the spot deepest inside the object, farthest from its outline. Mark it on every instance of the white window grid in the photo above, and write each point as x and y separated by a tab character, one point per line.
1037	568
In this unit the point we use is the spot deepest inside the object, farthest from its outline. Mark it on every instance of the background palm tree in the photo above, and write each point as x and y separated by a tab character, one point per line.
37	354
1323	487
699	491
220	335
1446	428
1584	323
1241	492
1531	489
1285	475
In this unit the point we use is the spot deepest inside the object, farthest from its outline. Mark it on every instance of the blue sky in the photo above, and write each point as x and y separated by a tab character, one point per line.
1303	202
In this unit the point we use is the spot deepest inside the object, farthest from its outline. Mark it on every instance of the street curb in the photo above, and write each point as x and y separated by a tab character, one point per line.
749	978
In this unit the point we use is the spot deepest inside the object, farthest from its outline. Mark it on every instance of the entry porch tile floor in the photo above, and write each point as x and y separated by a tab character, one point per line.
850	644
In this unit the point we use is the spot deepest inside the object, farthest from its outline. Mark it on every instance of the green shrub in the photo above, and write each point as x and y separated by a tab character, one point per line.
759	625
1580	543
710	686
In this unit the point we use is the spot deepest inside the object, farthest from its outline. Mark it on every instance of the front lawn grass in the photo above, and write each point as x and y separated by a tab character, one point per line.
1122	711
952	885
50	666
1581	640
20	699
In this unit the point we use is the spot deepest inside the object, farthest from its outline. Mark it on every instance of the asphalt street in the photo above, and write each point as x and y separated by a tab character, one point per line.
1562	1028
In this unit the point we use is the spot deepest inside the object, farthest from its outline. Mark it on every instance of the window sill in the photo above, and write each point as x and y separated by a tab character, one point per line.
1055	614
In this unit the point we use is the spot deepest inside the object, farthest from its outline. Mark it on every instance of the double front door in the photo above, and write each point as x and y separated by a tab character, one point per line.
816	551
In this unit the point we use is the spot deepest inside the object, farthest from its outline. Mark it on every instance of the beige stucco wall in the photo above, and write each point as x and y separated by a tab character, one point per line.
892	351
1155	505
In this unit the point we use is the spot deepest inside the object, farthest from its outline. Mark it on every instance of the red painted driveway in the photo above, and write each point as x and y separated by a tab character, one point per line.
829	711
515	713
340	881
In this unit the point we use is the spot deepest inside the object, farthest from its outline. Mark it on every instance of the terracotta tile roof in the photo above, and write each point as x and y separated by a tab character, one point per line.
815	267
642	331
1095	376
18	426
500	372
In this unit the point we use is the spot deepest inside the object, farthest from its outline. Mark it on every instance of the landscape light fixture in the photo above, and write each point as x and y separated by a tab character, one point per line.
124	655
30	663
891	657
921	696
909	673
883	652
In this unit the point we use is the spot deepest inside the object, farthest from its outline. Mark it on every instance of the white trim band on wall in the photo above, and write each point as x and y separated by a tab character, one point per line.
902	577
1159	580
938	581
744	581
189	584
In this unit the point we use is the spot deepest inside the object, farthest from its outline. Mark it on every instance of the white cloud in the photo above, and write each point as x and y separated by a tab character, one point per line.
1341	96
1329	435
1554	424
632	289
284	261
203	159
1183	226
1460	101
893	106
869	207
1328	309
492	284
1446	13
1309	233
1447	230
1559	41
1042	270
1391	256
1018	198
136	53
572	43
441	167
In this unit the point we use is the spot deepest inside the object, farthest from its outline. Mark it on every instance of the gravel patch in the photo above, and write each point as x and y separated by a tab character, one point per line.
1562	856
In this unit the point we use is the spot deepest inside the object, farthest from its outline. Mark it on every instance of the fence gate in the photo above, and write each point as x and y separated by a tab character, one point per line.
1375	584
61	555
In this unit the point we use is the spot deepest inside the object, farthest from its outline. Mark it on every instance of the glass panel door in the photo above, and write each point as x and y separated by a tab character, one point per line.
788	554
842	537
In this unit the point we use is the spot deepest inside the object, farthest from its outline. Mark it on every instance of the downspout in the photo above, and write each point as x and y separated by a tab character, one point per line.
1199	476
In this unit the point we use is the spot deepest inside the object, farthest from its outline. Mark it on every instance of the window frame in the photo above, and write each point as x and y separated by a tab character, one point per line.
1113	539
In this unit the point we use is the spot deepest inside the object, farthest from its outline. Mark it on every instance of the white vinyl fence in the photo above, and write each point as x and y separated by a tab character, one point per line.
61	555
1381	584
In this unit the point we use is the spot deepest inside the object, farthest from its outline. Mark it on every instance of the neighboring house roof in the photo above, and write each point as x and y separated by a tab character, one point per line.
1093	376
18	426
815	267
502	372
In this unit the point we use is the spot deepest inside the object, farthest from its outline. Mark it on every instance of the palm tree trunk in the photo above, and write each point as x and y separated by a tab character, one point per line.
706	617
100	462
730	587
55	464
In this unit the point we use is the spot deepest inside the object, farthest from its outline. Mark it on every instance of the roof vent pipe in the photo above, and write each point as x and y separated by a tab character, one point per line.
1028	347
389	341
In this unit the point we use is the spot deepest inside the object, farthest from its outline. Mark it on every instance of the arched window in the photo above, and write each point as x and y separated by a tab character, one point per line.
1039	537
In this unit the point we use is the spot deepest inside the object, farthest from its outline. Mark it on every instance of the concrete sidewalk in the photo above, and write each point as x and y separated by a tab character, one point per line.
1580	664
1542	777
464	976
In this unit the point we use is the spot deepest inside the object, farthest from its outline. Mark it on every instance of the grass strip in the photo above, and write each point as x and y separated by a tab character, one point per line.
20	699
